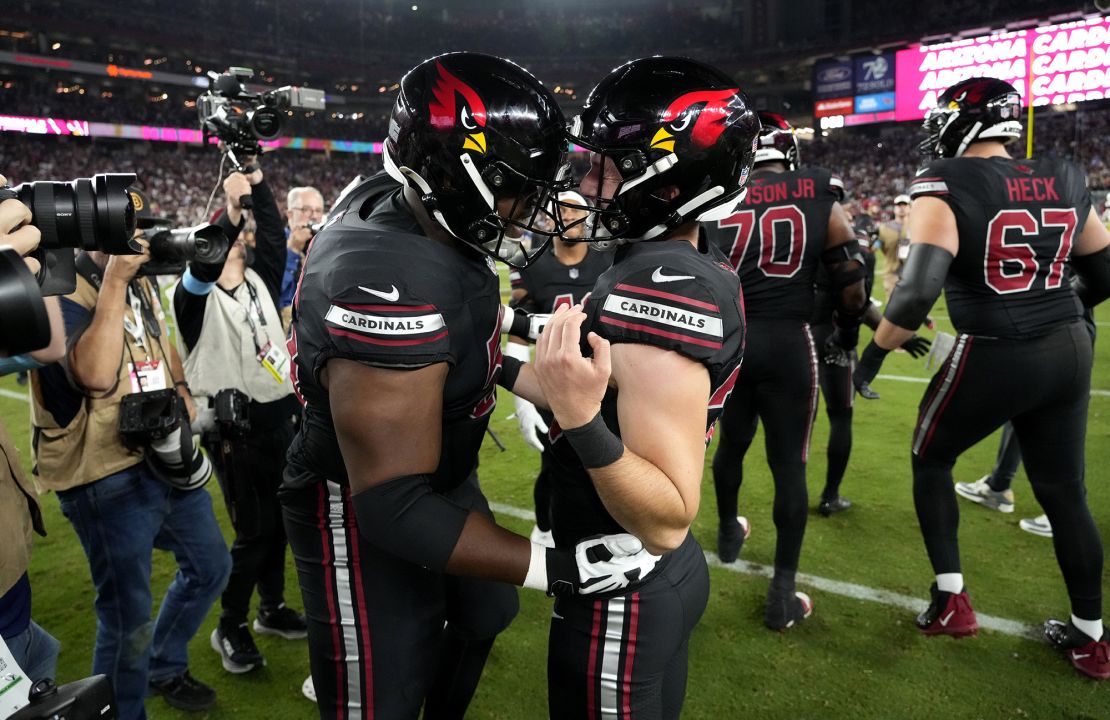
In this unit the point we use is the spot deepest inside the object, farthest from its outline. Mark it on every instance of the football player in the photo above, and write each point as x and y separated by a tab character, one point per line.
999	236
637	376
396	345
790	222
563	276
834	372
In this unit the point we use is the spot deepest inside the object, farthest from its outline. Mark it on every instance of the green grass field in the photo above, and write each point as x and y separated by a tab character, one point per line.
851	659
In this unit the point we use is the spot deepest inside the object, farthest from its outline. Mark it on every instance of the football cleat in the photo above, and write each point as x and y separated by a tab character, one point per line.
948	614
981	492
731	537
833	506
783	610
1038	525
1090	657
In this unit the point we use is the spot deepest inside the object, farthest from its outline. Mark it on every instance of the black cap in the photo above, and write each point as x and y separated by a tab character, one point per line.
144	215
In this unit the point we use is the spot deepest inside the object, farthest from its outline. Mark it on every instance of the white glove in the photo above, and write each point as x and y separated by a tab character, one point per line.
530	423
611	562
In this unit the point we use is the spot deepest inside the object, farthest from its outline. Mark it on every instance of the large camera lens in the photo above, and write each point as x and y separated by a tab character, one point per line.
171	250
24	325
90	213
266	122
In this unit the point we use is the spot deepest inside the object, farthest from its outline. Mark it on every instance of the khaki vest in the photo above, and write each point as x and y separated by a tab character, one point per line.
89	447
19	515
225	355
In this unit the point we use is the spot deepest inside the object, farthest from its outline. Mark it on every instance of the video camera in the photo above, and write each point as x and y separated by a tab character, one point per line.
171	250
228	110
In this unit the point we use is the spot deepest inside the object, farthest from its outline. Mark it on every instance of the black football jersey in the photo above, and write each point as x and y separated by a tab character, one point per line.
775	240
379	292
671	295
1017	220
550	284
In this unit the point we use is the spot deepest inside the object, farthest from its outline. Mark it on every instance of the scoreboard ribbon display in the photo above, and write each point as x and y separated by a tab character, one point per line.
1053	64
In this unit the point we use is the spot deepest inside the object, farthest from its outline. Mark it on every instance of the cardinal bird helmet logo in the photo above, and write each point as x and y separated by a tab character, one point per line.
456	105
702	114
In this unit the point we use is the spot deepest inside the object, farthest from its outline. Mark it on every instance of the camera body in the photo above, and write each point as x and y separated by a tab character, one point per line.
148	416
227	415
171	250
157	421
232	412
241	118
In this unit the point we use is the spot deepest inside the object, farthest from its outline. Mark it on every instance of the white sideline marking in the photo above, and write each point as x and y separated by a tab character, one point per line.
903	378
834	587
14	395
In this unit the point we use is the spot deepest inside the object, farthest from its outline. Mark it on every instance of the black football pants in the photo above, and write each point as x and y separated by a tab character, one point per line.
626	656
385	634
778	386
1042	386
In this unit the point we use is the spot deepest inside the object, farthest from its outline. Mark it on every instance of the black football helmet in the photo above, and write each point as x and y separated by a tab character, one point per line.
978	108
470	132
777	142
665	124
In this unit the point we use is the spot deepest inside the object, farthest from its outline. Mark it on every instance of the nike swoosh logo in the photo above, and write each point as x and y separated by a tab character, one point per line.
1078	656
659	277
389	296
922	171
557	616
947	618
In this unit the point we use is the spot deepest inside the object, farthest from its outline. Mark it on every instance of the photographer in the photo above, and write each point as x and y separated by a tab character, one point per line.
34	649
120	507
227	314
304	206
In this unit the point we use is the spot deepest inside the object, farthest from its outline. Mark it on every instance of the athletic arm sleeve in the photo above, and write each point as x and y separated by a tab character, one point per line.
407	518
922	280
1094	275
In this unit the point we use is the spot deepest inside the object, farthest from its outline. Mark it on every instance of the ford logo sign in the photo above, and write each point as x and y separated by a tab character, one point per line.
836	73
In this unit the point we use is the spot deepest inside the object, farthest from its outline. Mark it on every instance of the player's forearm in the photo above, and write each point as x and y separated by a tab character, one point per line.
889	336
486	550
528	387
645	501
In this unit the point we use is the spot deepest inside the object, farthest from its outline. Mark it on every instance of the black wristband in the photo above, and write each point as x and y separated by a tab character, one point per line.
562	572
872	358
595	444
510	370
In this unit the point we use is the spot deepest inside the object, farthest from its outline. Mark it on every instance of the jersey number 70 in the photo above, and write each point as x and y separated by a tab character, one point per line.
788	218
1011	266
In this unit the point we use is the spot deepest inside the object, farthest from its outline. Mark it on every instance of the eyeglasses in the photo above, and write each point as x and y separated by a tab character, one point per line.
310	210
